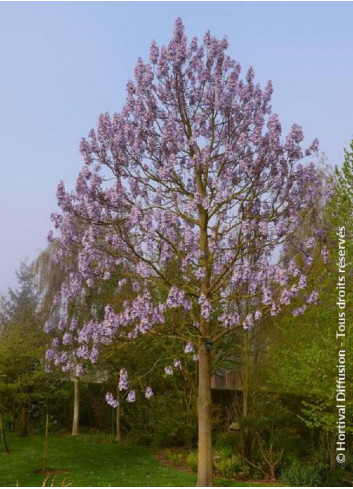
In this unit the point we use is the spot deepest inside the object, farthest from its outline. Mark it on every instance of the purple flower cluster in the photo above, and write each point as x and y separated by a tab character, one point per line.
131	397
111	400
168	370
193	197
189	348
123	380
148	392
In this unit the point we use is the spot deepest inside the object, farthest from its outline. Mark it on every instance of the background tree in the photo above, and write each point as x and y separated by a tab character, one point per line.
302	357
49	277
192	171
24	385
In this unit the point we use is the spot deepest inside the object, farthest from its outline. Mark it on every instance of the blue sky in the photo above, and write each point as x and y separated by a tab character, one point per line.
62	64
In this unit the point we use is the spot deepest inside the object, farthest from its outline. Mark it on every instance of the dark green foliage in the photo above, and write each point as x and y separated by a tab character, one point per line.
161	421
302	357
26	391
336	478
306	474
299	474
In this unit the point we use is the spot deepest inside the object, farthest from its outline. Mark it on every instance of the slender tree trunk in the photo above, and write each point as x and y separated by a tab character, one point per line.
13	422
45	448
76	417
118	437
245	374
204	472
3	436
245	394
190	417
24	421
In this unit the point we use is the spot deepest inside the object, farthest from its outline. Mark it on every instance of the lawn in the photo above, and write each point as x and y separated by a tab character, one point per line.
86	463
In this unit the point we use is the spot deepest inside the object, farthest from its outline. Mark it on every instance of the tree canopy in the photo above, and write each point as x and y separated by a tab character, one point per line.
193	197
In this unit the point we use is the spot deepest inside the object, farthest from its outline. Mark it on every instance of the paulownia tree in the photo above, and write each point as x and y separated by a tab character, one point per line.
190	193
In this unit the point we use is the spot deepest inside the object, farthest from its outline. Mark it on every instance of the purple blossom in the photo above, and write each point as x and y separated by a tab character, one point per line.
154	53
131	397
177	364
50	355
263	227
168	370
189	348
275	310
123	384
313	297
266	296
49	326
309	243
205	307
67	339
258	315
74	324
249	321
325	254
79	369
286	297
302	282
148	392
299	311
111	400
176	298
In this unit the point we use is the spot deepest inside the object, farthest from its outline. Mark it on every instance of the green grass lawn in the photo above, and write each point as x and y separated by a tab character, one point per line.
87	463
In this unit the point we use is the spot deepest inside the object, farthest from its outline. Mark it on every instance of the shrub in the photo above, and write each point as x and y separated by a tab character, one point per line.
176	457
139	437
337	478
226	464
229	440
192	461
301	475
164	419
244	472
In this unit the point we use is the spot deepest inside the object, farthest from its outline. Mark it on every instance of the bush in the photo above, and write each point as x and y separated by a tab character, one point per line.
139	437
223	439
336	478
301	475
163	419
192	461
226	464
244	472
175	456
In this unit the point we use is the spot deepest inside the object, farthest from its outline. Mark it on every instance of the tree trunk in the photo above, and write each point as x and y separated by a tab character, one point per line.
245	449
204	471
45	448
13	422
245	374
76	417
3	435
118	417
24	421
